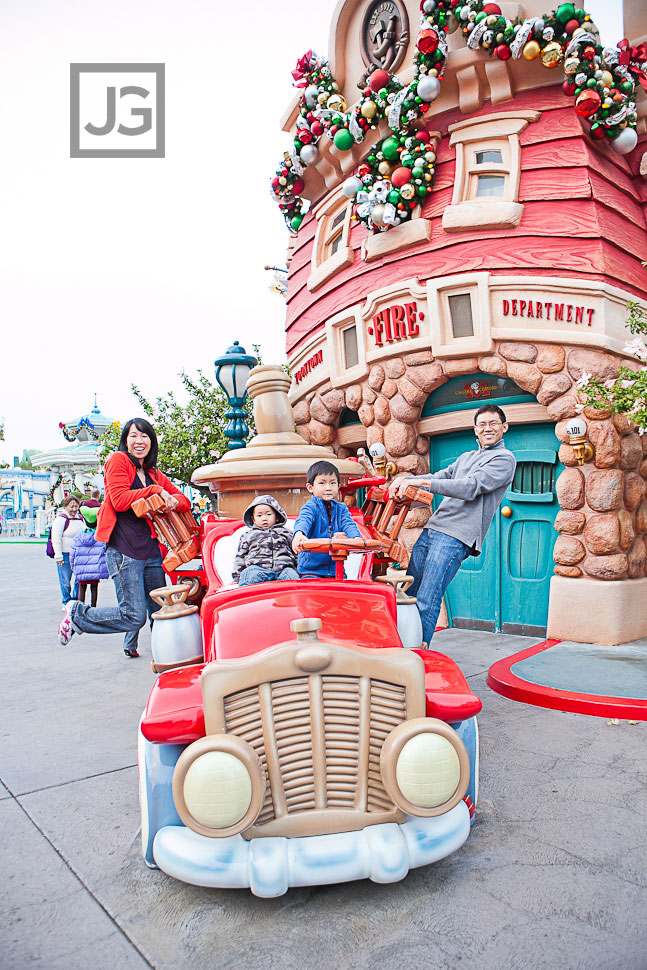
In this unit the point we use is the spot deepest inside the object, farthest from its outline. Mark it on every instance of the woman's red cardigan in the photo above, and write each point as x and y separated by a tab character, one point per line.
119	472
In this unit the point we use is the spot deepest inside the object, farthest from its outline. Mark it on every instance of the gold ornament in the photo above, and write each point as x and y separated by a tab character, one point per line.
571	65
369	109
578	31
377	215
407	191
607	79
551	54
322	98
384	168
430	156
336	103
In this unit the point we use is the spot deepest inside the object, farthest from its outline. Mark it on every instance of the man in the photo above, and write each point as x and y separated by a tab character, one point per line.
473	486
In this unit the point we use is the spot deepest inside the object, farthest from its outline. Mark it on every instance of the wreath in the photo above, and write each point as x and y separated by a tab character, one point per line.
398	173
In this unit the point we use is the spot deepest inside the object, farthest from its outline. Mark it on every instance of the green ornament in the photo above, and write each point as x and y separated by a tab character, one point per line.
565	12
393	197
591	83
438	55
626	87
344	141
295	222
480	16
383	94
297	144
371	160
390	149
407	160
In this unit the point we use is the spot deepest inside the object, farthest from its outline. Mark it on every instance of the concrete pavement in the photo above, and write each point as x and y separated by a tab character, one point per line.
554	873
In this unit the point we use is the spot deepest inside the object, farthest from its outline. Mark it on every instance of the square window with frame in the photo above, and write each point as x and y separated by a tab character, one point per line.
349	339
331	250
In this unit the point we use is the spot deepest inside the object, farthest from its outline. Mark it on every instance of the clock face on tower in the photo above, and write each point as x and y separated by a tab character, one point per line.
384	35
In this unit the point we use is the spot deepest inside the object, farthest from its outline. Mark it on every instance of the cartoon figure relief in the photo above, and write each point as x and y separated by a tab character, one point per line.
299	733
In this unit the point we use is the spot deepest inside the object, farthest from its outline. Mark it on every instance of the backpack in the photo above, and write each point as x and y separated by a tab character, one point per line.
49	548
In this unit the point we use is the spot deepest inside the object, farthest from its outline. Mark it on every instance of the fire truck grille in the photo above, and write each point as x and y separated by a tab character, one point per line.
319	740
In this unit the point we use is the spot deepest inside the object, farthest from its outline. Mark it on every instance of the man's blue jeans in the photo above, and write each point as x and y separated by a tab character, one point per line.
65	580
256	574
133	579
435	560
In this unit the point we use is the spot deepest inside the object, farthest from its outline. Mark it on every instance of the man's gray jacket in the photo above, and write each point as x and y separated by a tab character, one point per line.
474	486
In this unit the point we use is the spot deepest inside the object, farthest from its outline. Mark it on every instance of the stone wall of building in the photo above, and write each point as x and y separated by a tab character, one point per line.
602	524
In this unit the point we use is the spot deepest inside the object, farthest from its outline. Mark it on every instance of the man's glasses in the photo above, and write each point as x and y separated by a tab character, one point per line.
487	424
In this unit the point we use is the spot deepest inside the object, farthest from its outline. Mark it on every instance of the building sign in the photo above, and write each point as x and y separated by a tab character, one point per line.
309	365
473	390
384	35
397	322
544	310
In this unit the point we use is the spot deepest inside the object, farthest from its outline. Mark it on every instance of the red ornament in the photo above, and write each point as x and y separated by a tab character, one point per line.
597	132
304	136
503	52
568	88
587	103
378	79
298	187
400	176
588	52
334	129
317	128
427	41
363	170
571	26
492	8
422	136
424	107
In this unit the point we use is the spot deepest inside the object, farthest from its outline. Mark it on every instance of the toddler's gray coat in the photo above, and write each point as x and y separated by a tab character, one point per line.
268	548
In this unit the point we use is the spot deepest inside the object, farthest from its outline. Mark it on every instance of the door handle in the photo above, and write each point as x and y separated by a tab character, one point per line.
506	511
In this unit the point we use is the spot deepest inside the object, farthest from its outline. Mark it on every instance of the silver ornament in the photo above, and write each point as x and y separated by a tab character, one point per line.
311	93
309	154
625	142
352	186
429	6
580	79
428	88
548	33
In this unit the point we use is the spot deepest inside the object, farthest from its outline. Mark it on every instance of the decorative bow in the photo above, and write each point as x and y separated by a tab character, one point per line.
634	58
302	70
366	202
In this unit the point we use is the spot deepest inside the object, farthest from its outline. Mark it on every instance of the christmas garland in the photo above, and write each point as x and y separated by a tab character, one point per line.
58	482
601	80
70	434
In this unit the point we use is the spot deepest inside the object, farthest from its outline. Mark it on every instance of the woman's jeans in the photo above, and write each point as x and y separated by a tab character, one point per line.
435	560
256	574
133	579
65	580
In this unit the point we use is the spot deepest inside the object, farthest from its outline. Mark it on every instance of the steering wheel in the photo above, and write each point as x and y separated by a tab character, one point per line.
339	549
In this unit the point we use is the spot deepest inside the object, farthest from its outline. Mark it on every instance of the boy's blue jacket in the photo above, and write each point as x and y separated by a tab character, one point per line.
313	522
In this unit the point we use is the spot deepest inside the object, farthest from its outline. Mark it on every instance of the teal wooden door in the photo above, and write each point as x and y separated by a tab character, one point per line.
505	589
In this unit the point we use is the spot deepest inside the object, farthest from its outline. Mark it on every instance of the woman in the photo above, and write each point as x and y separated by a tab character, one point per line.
133	554
67	524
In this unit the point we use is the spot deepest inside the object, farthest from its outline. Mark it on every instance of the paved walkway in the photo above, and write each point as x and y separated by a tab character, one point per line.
554	874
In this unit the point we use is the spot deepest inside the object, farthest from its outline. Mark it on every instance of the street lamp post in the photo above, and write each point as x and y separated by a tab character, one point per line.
232	371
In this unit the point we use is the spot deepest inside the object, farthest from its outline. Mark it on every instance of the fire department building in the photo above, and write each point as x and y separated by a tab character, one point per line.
509	284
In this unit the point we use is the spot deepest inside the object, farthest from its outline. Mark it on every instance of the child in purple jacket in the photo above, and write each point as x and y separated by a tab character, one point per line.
88	557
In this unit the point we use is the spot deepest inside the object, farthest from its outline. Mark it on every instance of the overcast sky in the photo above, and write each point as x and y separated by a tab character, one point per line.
120	271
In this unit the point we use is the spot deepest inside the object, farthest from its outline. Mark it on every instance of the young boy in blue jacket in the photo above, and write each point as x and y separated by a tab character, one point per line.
322	517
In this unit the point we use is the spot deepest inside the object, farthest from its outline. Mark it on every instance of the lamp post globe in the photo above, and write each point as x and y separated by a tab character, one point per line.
232	371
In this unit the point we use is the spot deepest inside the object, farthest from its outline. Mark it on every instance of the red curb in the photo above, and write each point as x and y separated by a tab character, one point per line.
501	680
